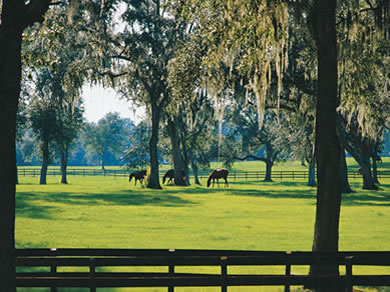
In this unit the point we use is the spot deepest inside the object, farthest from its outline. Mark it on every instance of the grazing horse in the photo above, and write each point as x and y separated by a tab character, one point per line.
216	174
138	175
170	175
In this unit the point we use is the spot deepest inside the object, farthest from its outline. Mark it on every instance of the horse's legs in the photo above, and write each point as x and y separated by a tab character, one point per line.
226	182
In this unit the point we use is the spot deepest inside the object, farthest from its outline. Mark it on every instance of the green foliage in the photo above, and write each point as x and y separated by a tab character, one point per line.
108	135
43	122
364	61
144	49
136	153
247	36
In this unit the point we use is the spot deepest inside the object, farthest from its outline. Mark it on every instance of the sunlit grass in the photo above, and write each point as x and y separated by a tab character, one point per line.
107	212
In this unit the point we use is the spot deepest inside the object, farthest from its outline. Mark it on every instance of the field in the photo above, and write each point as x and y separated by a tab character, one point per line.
107	212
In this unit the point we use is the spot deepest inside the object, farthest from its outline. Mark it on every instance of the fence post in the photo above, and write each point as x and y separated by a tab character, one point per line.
288	273
348	274
92	282
171	271
223	274
53	271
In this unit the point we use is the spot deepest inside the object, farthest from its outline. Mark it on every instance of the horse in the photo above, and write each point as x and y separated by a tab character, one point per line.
170	175
138	175
216	174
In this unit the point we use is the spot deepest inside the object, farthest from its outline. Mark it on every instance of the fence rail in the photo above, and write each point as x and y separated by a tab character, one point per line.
96	259
249	175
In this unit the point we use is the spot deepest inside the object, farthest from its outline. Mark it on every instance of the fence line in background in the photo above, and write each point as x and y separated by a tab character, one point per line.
248	175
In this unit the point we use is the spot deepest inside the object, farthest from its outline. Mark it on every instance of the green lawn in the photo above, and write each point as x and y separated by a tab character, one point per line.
108	212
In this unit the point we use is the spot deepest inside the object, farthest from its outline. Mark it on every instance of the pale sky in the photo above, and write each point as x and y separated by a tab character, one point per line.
98	101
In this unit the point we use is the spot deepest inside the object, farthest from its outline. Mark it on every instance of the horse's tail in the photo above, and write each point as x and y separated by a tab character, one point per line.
210	177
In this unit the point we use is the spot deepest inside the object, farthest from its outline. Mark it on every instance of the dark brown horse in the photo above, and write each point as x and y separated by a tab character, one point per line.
216	174
138	175
170	175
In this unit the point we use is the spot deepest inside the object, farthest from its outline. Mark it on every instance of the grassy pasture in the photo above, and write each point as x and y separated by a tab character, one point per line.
108	212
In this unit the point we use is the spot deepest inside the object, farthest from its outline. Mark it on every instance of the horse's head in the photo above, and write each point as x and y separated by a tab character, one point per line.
131	176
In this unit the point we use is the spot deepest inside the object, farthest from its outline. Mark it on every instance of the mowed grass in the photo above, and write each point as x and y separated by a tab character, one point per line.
108	212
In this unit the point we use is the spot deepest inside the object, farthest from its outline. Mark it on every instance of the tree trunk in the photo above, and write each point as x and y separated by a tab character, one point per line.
10	70
303	161
104	153
153	181
17	176
374	169
64	163
326	233
45	162
312	173
186	159
365	166
268	170
178	166
194	167
13	22
344	183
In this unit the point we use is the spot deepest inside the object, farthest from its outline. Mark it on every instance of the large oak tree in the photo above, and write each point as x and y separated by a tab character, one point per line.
16	16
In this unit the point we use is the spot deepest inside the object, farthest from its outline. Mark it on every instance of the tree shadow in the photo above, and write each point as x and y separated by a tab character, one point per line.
358	198
39	205
28	207
280	194
366	198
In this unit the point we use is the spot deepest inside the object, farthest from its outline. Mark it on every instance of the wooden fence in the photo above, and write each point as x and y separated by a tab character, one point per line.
96	259
248	175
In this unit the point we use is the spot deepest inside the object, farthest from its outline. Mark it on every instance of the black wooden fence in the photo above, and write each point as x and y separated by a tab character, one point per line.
97	276
248	175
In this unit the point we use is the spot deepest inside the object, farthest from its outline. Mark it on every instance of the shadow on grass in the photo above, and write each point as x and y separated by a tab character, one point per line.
280	194
358	198
367	198
38	205
42	205
27	206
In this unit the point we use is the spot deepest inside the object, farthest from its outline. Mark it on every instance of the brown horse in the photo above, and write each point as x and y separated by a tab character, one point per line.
138	175
170	175
216	174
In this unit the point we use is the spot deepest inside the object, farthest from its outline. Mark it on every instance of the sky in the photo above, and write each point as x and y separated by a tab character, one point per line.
99	101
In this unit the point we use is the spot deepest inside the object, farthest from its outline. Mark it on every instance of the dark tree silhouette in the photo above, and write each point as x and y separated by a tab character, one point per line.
15	17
